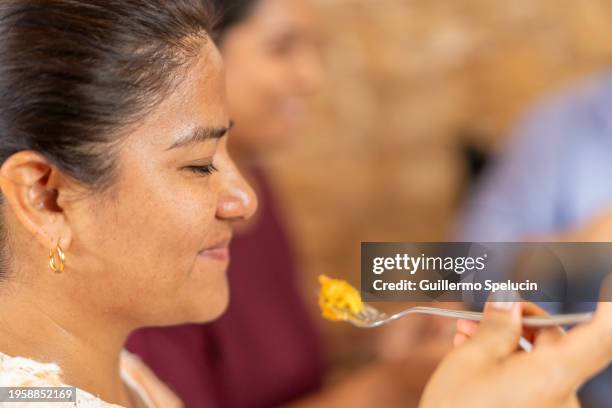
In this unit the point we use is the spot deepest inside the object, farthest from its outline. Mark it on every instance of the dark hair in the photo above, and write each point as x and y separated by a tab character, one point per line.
73	73
230	13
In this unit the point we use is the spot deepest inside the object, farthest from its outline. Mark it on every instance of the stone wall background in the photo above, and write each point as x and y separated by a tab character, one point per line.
407	82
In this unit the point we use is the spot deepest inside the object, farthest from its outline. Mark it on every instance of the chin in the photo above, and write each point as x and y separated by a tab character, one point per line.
204	310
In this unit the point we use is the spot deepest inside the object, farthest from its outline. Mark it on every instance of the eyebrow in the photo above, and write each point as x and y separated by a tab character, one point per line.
201	134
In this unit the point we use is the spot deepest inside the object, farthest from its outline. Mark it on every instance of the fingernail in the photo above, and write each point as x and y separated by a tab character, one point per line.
504	299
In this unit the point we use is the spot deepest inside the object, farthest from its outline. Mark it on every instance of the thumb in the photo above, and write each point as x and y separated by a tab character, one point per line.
500	329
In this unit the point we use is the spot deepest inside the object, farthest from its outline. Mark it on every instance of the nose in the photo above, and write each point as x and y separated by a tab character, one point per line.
237	200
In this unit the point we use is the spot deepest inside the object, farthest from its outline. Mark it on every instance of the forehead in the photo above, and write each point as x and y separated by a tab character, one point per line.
200	93
198	99
203	85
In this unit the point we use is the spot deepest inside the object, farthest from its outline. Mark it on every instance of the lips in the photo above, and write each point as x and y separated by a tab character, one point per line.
218	251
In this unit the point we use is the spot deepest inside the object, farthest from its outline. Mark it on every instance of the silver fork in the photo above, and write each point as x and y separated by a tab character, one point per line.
370	317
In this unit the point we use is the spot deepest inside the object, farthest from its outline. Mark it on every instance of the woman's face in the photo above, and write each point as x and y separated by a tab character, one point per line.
272	65
154	248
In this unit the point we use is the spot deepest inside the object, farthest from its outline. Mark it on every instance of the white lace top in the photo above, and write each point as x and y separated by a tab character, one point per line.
23	372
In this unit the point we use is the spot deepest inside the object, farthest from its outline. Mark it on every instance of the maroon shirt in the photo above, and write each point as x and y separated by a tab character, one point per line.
264	351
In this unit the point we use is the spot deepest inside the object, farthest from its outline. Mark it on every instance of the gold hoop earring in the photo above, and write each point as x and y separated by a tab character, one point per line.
62	259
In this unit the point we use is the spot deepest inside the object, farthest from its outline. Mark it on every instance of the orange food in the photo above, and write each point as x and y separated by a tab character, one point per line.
338	299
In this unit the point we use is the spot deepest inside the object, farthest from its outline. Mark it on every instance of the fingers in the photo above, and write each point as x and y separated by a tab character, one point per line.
587	349
540	336
465	330
500	329
467	327
531	309
459	339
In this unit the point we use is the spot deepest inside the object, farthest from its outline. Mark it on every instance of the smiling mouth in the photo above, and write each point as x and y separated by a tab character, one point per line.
218	252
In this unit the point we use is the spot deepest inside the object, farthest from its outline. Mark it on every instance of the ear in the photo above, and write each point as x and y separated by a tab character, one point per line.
32	187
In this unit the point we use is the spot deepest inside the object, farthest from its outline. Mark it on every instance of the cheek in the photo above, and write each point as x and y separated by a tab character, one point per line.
166	230
145	248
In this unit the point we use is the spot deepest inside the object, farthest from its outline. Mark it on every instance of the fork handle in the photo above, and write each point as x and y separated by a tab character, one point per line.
528	321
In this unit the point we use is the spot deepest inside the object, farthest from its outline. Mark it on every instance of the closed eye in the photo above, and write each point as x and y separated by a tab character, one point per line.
206	170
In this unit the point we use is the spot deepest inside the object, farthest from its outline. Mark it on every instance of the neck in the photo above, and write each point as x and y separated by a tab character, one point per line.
44	327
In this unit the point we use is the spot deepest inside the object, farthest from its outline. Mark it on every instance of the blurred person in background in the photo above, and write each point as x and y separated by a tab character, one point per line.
550	184
265	350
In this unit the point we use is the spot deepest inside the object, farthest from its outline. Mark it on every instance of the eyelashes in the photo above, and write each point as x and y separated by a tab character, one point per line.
203	170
